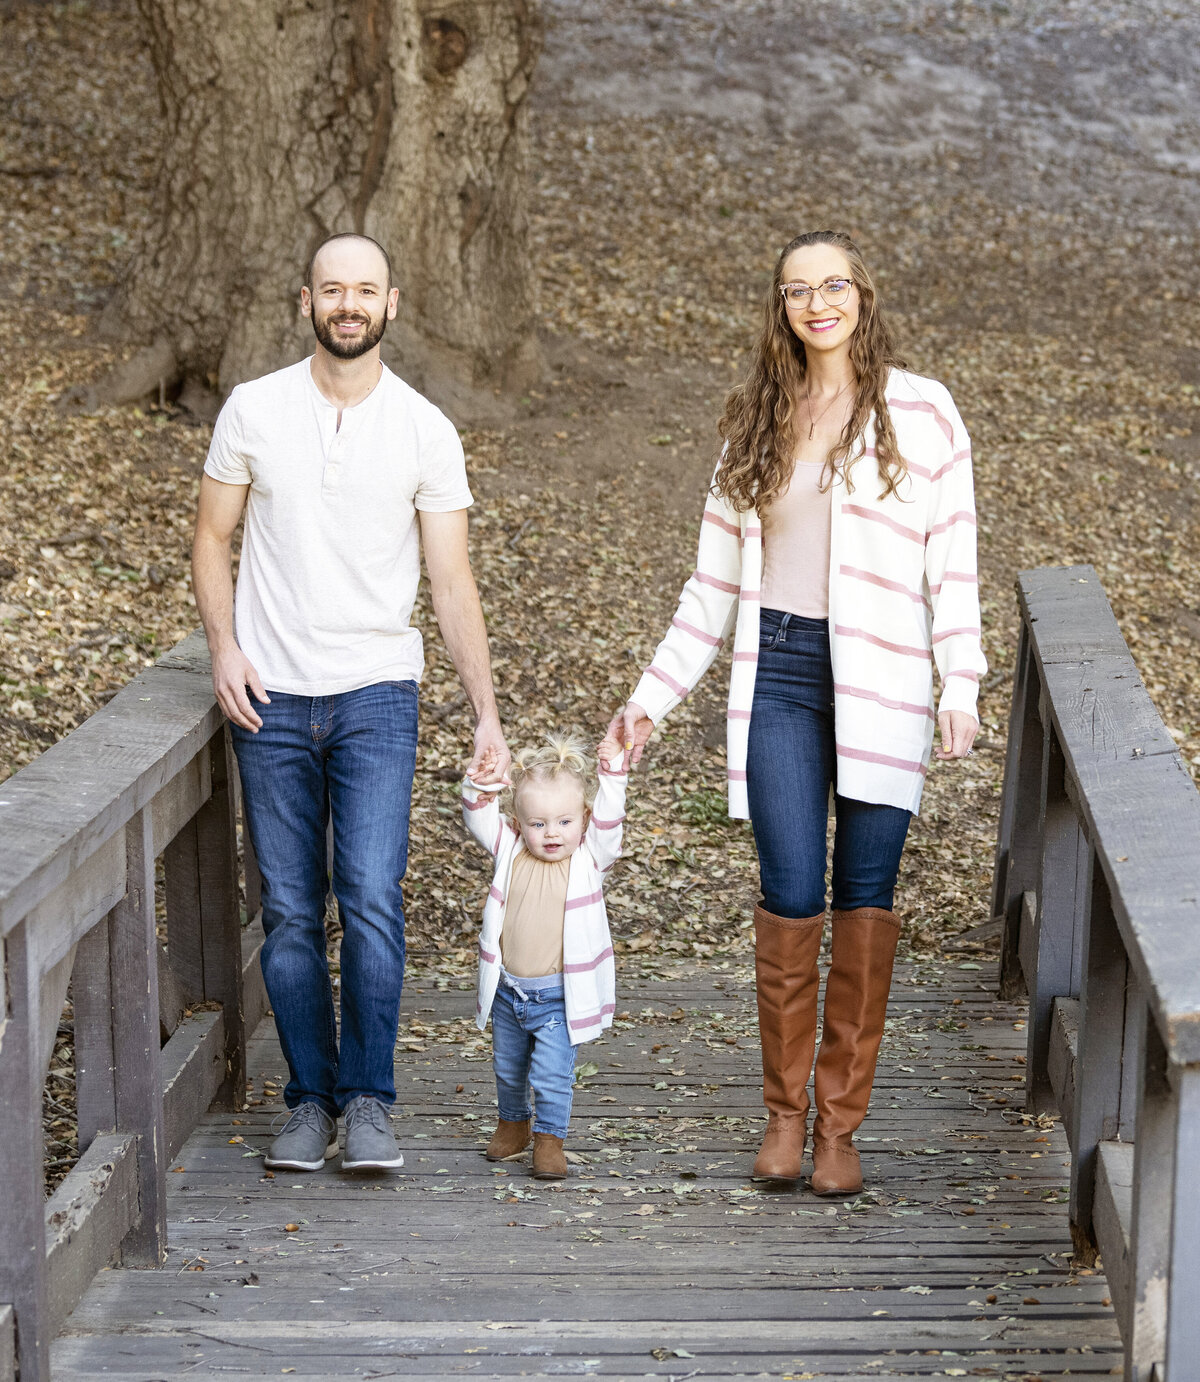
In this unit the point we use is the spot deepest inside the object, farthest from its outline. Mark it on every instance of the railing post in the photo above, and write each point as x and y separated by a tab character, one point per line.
1154	1182
95	1061
1183	1319
1063	886
204	927
137	1080
1099	1070
1018	841
22	1204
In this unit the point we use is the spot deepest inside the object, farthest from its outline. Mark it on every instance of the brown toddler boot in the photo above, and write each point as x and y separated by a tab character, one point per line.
549	1162
509	1139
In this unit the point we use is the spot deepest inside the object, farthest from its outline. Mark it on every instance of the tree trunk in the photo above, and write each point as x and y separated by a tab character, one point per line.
286	122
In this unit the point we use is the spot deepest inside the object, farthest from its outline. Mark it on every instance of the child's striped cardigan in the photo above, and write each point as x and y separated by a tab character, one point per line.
903	595
589	980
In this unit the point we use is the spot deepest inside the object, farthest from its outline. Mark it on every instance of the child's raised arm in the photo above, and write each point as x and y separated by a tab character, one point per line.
481	814
607	824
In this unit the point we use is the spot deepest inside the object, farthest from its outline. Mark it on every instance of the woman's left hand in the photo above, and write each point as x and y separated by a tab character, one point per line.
958	731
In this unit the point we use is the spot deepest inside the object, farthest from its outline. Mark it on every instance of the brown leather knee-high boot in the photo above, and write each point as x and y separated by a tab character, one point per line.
856	994
785	971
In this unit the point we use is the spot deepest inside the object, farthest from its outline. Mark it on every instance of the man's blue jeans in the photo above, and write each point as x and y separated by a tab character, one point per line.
531	1046
791	764
352	757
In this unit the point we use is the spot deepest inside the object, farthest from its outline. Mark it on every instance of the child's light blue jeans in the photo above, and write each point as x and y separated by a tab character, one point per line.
531	1048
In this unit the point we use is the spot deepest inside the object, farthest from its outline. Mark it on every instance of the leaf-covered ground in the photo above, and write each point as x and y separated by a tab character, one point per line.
1023	176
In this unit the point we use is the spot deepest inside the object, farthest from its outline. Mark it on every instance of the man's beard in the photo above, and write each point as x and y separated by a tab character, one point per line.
352	348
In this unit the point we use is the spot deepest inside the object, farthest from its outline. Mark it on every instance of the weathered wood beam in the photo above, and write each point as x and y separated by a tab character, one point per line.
86	1218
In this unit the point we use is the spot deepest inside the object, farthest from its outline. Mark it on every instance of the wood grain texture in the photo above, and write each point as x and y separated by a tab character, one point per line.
8	1355
657	1241
1137	804
86	1218
193	1070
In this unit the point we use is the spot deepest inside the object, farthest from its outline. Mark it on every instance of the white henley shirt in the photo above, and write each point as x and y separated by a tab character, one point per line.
331	551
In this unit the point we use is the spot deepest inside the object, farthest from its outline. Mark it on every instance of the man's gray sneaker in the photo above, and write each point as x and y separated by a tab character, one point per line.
370	1144
306	1142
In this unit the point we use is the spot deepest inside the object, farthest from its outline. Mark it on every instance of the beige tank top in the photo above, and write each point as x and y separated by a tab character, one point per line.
796	528
531	942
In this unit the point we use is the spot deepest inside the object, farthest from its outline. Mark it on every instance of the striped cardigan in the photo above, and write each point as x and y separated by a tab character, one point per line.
588	974
903	596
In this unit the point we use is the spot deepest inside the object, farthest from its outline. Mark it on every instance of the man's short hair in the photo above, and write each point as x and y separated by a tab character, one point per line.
346	235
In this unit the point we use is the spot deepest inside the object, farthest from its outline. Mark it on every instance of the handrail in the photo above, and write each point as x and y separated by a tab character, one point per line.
1097	879
151	775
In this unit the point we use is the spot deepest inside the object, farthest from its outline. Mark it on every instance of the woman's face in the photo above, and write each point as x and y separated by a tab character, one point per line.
822	328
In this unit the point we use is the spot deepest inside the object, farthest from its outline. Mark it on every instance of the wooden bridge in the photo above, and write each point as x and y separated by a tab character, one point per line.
972	1253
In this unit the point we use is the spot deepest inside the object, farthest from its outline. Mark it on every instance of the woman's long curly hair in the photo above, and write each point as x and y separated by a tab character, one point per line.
758	421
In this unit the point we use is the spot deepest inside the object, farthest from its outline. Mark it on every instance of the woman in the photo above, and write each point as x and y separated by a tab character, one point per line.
838	543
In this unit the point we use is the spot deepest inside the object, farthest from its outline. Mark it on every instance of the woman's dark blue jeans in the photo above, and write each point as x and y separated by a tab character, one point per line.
350	757
791	765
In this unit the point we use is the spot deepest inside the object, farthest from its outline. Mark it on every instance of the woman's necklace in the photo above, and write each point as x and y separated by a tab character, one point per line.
812	421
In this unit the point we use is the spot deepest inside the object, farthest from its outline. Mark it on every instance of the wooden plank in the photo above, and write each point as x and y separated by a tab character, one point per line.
1100	1079
95	1062
203	914
8	1350
61	920
1153	1189
1112	1217
173	999
255	1004
221	913
134	978
59	809
193	1070
1064	881
1063	1055
177	801
23	1260
1139	804
1182	1349
1017	842
52	1000
455	1238
86	1218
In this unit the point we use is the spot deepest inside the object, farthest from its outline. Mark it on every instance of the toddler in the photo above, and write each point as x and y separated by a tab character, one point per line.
545	954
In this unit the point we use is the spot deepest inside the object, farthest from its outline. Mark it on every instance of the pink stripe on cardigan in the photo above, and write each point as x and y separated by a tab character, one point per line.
871	638
884	582
866	756
591	964
872	517
920	406
863	694
697	633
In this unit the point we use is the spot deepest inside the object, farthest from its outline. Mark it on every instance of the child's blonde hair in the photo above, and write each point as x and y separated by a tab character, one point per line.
566	752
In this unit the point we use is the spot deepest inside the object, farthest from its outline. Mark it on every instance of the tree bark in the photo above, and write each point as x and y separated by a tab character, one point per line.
285	121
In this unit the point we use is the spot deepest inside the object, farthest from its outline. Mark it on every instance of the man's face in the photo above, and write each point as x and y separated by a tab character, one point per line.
349	303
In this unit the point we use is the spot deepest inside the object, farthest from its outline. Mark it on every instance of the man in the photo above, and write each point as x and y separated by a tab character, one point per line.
337	462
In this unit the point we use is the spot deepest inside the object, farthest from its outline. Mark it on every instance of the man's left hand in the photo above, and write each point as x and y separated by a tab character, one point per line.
490	764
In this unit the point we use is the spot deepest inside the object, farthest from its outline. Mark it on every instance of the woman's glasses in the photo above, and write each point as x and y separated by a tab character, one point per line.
834	291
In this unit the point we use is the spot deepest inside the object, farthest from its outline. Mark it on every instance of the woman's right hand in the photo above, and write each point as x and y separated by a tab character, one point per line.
632	727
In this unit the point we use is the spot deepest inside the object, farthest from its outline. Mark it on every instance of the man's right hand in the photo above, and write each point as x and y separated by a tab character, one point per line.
233	676
631	727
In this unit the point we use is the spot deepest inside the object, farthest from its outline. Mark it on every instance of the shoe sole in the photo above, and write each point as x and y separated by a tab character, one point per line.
273	1164
511	1156
548	1175
372	1165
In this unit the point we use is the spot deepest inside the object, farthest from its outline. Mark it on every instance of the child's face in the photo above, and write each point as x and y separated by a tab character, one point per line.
551	816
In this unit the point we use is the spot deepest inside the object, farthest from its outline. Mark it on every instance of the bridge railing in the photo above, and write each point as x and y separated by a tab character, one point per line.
1098	880
159	1031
